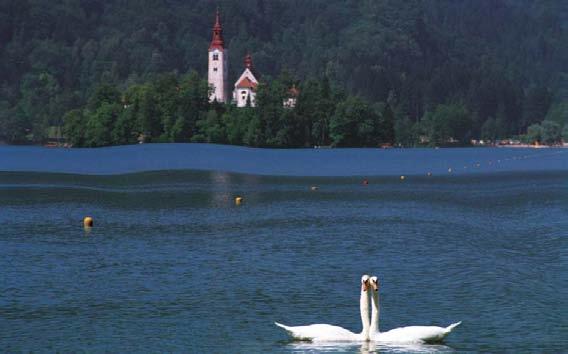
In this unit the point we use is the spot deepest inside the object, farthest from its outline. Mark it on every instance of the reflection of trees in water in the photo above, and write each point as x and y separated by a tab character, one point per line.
220	188
223	187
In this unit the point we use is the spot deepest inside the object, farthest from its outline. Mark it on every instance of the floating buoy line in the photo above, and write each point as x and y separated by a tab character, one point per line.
480	164
88	221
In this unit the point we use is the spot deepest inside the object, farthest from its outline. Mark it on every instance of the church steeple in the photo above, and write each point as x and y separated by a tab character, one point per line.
248	61
218	63
217	40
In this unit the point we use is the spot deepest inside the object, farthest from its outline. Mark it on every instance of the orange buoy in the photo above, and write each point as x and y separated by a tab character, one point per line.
88	221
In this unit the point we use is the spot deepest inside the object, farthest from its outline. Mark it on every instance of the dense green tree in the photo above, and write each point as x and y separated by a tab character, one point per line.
537	103
100	124
565	134
354	123
534	134
558	113
448	123
385	128
124	130
237	121
14	125
489	130
551	132
75	126
212	129
193	100
270	111
104	94
404	134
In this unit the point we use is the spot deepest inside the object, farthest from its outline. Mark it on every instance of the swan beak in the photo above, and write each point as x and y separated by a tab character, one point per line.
364	282
374	283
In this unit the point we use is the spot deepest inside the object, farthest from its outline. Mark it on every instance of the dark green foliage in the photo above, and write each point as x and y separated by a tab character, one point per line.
448	123
534	134
75	126
565	134
551	132
559	113
354	123
504	61
489	130
547	132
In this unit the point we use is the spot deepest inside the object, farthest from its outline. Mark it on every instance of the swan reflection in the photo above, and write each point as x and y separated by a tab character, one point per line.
366	348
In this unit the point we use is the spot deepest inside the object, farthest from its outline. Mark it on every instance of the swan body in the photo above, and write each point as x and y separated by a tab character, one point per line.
410	334
330	333
403	335
321	333
414	334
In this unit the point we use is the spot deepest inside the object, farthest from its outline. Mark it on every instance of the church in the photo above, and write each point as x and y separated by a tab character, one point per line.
244	90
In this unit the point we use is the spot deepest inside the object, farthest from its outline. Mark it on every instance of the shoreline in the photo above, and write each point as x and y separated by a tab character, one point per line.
282	162
511	146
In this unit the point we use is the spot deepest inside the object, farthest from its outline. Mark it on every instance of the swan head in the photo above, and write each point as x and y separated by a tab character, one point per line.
364	282
374	283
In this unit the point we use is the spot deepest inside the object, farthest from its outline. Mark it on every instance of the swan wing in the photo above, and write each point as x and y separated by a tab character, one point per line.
319	332
416	334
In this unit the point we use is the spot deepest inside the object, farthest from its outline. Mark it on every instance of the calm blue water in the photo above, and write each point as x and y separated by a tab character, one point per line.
172	265
284	162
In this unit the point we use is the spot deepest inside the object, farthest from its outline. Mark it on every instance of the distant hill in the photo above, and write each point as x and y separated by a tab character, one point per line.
500	58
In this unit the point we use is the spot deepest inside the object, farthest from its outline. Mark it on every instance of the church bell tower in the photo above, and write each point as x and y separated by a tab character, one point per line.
218	64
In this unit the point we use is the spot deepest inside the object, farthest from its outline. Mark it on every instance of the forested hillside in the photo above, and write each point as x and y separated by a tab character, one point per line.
369	71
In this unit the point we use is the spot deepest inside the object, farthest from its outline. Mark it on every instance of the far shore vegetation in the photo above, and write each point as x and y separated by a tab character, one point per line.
173	108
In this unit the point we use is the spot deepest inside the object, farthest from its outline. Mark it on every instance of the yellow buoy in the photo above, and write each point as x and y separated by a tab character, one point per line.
402	178
88	221
238	200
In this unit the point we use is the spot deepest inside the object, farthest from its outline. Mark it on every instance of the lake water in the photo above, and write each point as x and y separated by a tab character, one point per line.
173	265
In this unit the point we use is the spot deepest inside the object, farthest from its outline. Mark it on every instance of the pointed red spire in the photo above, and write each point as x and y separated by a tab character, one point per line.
217	41
248	61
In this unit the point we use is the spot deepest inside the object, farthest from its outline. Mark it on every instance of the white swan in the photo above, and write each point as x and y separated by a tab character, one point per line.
330	333
410	334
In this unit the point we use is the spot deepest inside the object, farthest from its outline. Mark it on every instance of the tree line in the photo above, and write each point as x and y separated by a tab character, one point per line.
176	108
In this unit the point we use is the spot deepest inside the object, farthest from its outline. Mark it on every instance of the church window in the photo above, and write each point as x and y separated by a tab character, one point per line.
215	56
244	92
214	69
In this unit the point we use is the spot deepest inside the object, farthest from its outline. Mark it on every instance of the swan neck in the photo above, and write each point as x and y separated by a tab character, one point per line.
375	312
364	309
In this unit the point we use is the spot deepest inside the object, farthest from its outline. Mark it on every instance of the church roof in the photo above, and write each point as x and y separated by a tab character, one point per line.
217	40
245	82
249	65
